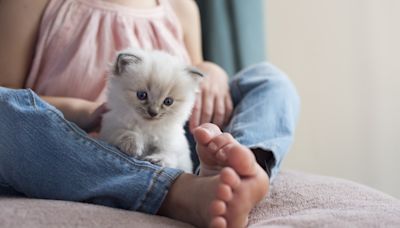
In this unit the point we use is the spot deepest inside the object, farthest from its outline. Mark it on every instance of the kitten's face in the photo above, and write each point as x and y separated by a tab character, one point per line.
153	98
156	85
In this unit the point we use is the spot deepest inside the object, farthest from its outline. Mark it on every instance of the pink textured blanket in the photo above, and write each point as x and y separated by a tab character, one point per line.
304	200
295	200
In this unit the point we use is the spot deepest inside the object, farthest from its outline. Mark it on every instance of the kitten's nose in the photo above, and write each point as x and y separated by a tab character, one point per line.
152	112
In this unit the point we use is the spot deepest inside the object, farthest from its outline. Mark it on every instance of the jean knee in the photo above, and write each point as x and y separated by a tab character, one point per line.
264	72
16	100
265	75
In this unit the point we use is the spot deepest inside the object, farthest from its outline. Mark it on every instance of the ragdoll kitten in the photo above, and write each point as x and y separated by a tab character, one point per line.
150	97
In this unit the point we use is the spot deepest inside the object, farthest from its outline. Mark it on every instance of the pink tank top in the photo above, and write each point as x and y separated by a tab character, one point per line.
79	39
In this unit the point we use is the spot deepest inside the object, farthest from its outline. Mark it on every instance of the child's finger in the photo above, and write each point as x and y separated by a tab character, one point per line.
219	111
207	108
228	108
194	120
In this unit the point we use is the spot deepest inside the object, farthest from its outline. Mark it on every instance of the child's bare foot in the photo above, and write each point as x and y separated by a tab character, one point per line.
232	182
217	150
201	201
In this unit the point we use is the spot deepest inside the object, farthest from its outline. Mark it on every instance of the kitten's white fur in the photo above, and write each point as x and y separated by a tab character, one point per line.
129	126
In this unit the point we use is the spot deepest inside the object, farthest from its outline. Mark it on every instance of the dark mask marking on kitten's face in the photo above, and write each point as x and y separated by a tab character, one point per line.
154	88
153	106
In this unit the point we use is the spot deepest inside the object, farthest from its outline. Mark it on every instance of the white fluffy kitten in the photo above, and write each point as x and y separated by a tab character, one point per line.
150	96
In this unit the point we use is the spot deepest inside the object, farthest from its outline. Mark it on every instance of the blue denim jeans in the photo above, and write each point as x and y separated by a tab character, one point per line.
42	155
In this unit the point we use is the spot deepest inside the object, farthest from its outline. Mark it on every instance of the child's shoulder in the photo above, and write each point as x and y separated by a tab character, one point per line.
183	5
186	10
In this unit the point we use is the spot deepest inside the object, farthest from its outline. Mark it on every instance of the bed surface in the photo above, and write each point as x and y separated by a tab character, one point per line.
295	200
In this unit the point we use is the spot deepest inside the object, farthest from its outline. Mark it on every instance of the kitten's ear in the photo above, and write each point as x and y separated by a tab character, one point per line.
123	60
196	73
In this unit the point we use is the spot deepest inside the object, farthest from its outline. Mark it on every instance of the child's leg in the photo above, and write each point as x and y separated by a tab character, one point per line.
265	114
44	156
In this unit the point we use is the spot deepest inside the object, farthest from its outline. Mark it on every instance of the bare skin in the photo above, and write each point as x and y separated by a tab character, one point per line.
231	183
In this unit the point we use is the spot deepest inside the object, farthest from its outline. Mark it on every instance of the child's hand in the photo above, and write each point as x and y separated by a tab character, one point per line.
90	119
213	103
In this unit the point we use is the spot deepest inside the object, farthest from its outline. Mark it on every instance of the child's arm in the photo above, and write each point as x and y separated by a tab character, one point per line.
19	24
86	114
214	103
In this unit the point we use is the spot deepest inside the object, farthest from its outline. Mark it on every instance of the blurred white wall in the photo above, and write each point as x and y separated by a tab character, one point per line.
344	58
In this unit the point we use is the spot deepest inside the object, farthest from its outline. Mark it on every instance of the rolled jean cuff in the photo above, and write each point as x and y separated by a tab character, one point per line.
158	189
276	151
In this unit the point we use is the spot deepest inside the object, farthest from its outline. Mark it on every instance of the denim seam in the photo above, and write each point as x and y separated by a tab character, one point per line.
153	183
32	97
160	174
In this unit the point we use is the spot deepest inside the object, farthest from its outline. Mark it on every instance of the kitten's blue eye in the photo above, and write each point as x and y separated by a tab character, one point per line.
141	95
168	101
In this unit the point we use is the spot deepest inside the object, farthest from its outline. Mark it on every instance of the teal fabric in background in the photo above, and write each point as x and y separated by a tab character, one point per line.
233	32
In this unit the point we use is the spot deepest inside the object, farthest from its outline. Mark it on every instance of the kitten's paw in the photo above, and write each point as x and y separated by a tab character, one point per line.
156	159
130	144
